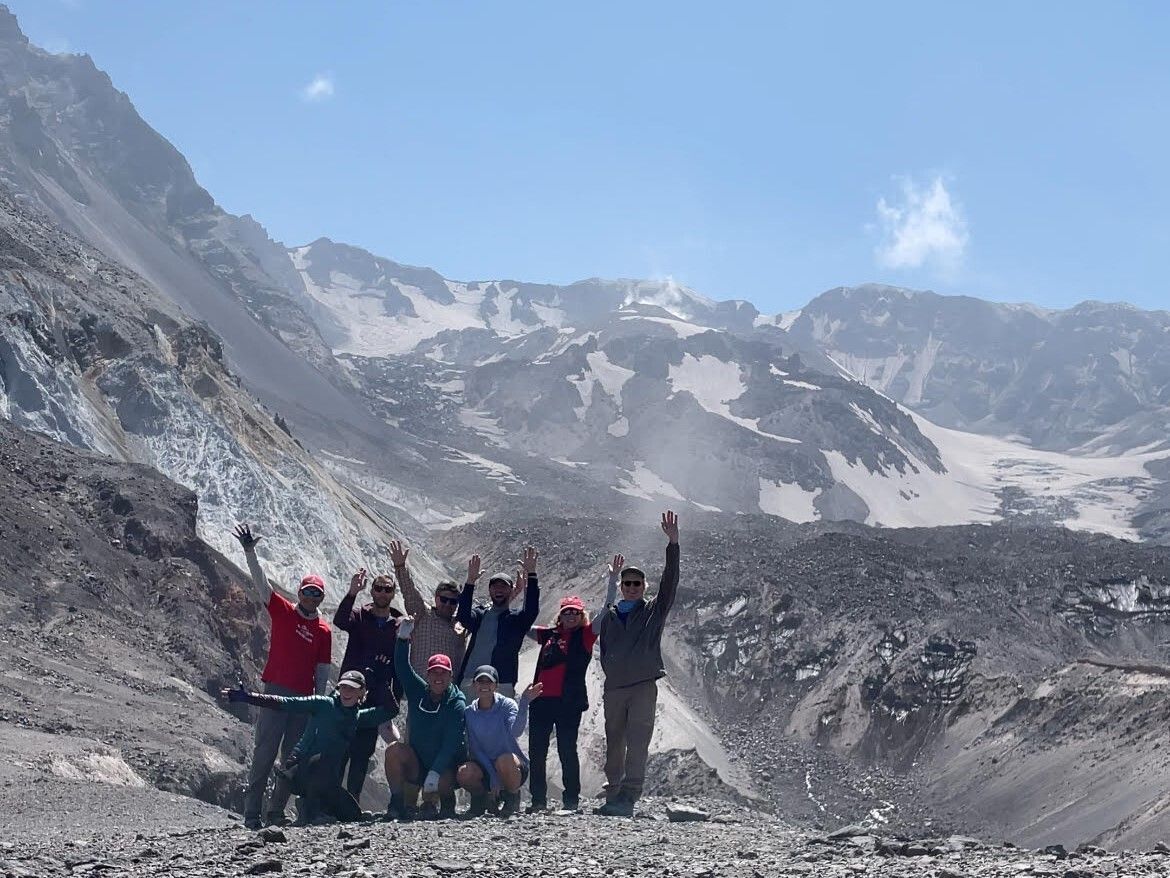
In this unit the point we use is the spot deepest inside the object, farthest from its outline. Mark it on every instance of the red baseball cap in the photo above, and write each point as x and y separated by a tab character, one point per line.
313	580
572	602
439	660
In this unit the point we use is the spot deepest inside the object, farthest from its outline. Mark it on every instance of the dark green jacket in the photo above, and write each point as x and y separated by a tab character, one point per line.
331	725
436	732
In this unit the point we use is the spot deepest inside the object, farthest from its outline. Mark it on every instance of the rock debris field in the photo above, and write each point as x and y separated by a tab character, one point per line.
666	839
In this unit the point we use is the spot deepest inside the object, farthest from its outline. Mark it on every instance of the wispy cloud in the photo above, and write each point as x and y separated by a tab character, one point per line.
320	89
56	46
925	226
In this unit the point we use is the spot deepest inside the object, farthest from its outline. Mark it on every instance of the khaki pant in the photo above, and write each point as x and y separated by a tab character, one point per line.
276	732
629	725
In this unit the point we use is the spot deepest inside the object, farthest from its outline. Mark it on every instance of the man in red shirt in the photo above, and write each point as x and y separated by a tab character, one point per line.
299	657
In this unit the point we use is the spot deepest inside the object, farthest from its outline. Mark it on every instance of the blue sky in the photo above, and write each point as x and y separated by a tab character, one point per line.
758	150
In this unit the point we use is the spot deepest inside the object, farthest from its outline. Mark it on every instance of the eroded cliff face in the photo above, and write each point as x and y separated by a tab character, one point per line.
91	355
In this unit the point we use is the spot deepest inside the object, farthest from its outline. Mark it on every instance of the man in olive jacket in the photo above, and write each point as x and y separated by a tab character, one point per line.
630	634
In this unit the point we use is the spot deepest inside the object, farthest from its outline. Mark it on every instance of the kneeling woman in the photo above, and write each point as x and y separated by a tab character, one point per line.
314	766
498	766
434	734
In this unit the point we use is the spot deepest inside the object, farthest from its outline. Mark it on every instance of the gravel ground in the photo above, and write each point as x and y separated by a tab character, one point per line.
202	841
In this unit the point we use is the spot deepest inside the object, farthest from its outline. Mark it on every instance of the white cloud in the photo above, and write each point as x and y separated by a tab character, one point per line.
925	226
57	46
320	89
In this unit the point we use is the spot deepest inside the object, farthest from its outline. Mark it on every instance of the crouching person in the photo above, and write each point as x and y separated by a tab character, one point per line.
498	766
434	734
313	768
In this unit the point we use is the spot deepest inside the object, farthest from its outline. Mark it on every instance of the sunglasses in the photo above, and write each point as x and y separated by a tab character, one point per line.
570	612
386	588
632	583
312	593
450	601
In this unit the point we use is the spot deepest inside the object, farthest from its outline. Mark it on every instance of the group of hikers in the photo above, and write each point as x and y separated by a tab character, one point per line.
456	664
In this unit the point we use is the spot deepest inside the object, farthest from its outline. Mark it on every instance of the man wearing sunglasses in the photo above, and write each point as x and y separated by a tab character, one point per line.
299	657
436	630
370	650
630	633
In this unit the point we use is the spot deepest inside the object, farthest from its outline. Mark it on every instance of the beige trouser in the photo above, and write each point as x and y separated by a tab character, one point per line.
629	725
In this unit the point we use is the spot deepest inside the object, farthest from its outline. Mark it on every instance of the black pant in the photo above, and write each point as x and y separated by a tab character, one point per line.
319	782
358	760
545	714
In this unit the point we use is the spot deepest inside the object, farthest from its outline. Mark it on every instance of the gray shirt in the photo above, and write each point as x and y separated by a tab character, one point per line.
485	639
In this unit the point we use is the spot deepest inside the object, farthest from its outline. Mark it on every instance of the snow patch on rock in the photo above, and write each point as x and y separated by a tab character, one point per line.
789	501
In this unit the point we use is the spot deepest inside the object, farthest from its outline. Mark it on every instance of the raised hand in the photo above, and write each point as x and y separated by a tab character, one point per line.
357	582
528	561
519	584
398	553
618	563
243	533
474	568
533	692
405	628
670	526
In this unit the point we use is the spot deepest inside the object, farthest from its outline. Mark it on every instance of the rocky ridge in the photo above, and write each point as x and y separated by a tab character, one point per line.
904	676
122	623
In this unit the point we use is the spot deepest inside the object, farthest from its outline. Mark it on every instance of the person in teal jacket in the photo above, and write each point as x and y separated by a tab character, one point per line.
314	765
435	733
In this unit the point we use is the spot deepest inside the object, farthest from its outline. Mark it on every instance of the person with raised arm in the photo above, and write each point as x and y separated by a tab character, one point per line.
435	734
498	767
299	661
369	649
497	631
566	648
436	630
630	633
314	767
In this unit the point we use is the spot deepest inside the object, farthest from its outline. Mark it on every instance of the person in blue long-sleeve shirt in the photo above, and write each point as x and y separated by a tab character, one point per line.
498	767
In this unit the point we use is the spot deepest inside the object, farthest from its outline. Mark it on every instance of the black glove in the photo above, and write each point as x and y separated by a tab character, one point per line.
243	533
236	695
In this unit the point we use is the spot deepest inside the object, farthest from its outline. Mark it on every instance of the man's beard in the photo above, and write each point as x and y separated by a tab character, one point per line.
382	602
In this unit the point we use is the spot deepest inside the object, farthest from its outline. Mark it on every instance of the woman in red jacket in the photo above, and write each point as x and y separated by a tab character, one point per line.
566	649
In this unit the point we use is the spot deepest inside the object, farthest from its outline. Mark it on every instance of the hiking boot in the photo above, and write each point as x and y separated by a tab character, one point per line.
510	804
429	811
479	804
536	806
616	807
396	810
447	804
276	820
446	812
253	822
571	803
